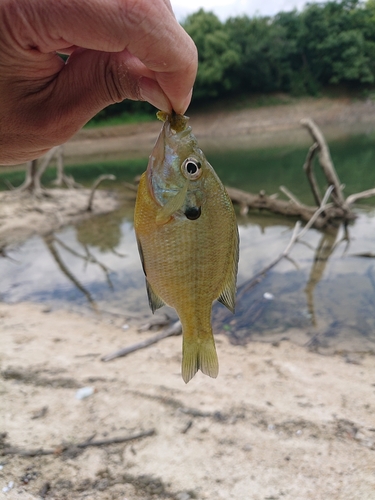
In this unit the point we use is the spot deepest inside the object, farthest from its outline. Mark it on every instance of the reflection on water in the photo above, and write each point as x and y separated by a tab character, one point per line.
324	297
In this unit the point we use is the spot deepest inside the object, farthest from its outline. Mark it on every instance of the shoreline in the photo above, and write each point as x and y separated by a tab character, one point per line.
249	128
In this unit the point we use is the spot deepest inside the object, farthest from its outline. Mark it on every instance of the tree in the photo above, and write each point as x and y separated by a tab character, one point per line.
217	54
334	43
265	53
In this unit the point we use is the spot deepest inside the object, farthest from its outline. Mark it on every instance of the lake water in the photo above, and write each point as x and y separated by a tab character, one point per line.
324	297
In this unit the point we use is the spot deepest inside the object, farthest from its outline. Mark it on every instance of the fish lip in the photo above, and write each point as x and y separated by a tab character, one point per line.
170	132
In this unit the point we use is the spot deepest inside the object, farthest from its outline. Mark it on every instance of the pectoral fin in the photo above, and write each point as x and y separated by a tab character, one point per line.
172	205
153	299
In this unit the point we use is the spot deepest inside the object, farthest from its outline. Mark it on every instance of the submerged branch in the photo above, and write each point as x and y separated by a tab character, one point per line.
326	163
257	278
308	168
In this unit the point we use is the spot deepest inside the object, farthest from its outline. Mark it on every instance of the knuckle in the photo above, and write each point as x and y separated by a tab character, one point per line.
119	83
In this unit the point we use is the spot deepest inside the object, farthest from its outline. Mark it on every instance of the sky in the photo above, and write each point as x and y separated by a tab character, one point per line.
226	8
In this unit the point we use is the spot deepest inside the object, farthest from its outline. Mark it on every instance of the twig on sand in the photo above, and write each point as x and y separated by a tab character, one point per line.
175	329
66	447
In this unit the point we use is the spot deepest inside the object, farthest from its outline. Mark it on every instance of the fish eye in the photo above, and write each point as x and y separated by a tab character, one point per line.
191	168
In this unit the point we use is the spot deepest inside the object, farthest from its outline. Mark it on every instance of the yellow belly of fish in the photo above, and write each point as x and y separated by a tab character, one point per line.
186	263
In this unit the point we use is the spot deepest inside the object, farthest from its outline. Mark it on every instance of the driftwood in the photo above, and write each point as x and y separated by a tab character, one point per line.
175	329
101	178
326	163
289	208
34	171
337	211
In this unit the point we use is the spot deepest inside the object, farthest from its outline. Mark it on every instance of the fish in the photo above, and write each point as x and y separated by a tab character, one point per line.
188	241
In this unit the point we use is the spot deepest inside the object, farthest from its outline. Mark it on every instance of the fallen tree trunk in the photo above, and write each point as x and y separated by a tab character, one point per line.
288	208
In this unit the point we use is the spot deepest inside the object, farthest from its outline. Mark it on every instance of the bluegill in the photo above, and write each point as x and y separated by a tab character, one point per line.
188	240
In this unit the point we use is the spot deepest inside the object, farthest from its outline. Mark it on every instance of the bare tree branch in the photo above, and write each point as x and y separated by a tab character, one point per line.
175	329
308	168
326	163
360	196
291	196
66	447
101	178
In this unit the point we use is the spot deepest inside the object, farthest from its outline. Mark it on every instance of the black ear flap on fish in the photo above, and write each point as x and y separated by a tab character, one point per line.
193	213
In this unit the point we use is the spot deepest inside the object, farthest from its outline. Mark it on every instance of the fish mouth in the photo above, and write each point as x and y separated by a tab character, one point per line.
181	134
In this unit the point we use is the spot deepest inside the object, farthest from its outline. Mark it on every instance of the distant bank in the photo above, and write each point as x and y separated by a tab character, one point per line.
254	127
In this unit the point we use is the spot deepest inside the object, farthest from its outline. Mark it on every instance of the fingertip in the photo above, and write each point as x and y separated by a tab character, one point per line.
151	92
181	109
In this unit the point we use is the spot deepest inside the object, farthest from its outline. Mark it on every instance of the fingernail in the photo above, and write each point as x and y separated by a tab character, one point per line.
185	103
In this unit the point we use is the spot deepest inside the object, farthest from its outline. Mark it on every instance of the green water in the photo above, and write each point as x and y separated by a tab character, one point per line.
324	298
253	170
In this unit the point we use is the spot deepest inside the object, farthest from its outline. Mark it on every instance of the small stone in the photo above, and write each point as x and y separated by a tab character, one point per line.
84	392
183	495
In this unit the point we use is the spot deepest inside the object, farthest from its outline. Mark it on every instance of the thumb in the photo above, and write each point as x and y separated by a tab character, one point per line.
59	105
91	80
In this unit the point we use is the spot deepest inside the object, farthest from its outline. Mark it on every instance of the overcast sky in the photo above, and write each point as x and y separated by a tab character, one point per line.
226	8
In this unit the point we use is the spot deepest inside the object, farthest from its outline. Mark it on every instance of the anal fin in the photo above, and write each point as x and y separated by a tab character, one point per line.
228	292
153	299
227	297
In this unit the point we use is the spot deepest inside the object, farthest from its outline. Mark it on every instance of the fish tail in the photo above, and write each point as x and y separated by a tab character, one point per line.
199	353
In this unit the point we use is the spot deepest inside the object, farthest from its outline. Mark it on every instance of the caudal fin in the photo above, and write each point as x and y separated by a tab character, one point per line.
199	354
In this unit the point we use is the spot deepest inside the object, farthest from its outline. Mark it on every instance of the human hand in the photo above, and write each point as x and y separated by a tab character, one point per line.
119	49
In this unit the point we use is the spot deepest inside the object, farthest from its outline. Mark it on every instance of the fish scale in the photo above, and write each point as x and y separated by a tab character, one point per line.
188	263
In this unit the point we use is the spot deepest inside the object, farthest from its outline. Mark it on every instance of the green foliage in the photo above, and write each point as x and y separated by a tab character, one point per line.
218	54
297	52
326	45
123	112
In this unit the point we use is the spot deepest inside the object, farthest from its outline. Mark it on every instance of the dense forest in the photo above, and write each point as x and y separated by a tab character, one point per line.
326	45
